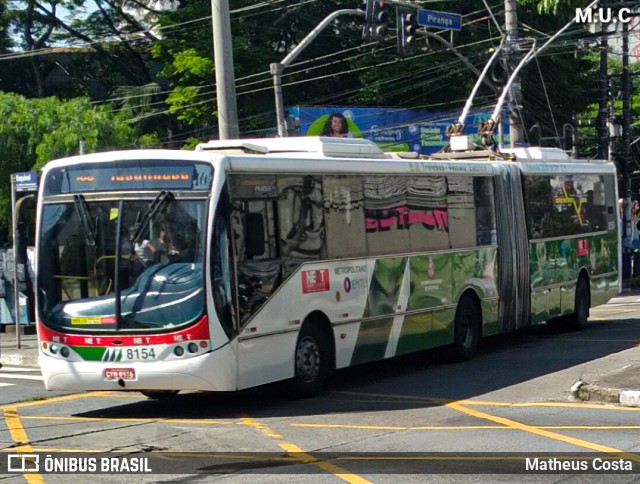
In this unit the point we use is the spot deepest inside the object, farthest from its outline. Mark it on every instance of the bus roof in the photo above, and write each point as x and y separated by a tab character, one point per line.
308	154
324	146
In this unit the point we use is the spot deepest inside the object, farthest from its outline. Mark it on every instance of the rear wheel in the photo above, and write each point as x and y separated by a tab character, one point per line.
578	320
159	394
313	362
466	330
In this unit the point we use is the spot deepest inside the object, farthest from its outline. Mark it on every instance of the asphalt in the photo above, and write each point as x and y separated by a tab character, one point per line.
621	387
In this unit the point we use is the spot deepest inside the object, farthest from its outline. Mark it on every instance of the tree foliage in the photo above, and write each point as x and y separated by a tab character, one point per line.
35	131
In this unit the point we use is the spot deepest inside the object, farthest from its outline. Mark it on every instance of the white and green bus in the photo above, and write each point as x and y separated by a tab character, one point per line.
298	256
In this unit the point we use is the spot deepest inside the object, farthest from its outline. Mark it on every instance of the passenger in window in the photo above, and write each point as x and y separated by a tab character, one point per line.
143	248
535	233
161	244
336	126
181	246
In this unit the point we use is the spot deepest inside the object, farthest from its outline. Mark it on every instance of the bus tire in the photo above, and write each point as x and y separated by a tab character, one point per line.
578	320
159	394
466	331
312	362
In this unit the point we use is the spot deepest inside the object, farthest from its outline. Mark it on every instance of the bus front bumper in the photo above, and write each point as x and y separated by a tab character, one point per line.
202	373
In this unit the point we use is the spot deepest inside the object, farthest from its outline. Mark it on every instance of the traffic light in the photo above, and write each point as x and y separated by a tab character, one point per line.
376	20
407	29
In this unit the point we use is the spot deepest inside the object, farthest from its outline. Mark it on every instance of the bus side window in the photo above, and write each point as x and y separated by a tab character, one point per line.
301	230
462	212
540	206
386	214
485	211
344	216
428	216
611	203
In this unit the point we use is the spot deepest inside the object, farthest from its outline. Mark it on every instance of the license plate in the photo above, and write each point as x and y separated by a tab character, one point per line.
127	374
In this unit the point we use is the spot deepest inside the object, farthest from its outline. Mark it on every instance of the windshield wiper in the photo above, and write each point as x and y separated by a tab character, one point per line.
87	227
141	223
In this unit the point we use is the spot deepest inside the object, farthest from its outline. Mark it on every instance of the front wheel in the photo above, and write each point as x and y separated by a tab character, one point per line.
312	362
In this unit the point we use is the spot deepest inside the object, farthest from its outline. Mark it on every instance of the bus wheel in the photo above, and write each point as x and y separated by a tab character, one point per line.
312	362
159	394
466	333
578	320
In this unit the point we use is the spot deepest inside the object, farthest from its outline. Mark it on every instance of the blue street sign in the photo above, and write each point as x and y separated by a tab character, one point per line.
441	20
26	181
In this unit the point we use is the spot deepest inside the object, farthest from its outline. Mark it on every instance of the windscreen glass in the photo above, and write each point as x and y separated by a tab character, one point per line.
122	264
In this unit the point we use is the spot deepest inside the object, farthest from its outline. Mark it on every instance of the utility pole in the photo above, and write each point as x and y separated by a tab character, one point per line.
511	29
225	78
625	160
603	111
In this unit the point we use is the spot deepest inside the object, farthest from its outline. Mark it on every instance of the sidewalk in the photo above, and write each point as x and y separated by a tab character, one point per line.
623	386
10	355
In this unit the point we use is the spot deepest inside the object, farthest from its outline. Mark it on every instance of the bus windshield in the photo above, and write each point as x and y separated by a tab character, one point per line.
116	263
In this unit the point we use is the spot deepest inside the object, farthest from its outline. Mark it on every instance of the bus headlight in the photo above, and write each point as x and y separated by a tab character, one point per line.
54	349
64	352
192	347
178	351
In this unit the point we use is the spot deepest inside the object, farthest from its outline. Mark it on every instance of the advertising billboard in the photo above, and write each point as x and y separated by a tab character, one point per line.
394	129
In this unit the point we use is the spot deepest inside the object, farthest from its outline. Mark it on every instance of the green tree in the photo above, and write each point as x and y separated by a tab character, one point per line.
34	131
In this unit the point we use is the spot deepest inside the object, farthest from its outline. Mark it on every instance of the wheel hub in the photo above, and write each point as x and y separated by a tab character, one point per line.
308	359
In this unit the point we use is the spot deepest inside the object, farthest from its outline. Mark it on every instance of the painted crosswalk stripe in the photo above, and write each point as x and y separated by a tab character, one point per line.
7	384
12	376
18	369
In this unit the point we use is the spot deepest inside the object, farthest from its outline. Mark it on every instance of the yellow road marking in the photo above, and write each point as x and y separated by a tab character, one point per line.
400	427
545	433
19	436
464	427
302	456
462	401
138	420
593	406
66	398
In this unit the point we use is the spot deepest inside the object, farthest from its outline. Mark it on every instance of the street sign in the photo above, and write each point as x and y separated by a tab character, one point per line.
26	181
441	20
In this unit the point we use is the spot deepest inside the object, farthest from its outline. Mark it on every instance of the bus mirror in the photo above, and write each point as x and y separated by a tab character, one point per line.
255	235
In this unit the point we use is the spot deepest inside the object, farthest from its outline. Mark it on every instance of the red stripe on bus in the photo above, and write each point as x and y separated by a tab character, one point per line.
199	331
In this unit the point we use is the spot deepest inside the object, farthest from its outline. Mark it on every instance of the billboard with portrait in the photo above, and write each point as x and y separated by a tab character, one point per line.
394	129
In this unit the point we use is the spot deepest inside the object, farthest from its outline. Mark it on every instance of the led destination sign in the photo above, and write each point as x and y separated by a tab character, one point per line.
127	175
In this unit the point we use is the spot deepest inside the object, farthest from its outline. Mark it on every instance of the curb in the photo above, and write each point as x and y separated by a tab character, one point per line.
588	392
12	359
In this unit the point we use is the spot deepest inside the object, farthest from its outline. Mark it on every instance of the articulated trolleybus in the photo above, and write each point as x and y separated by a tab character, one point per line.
253	261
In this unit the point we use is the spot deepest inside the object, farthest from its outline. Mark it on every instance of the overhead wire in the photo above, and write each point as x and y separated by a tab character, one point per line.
292	73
